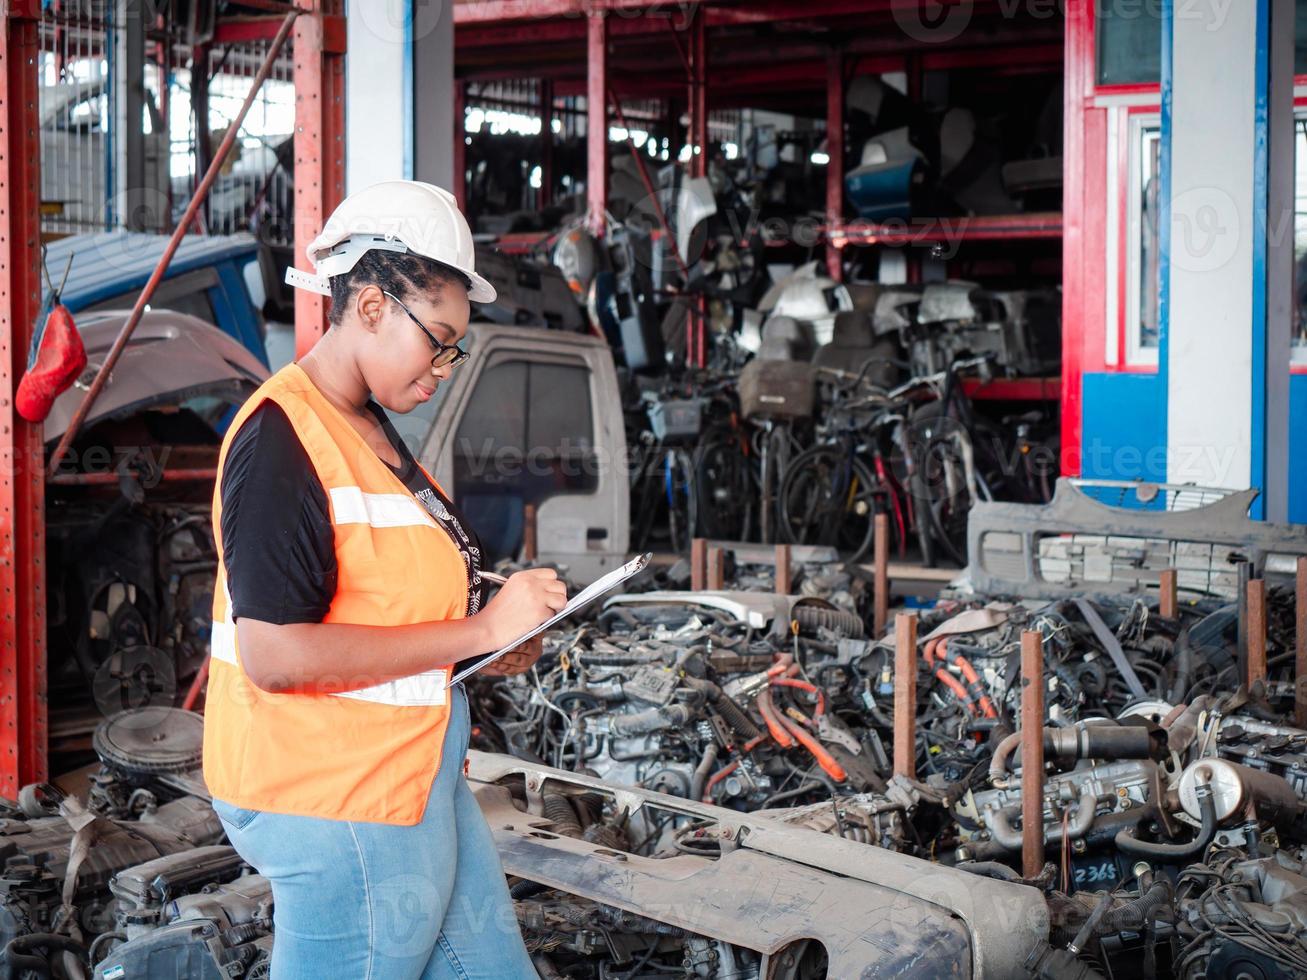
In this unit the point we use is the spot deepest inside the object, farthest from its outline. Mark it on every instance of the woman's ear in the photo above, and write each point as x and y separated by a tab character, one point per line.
370	304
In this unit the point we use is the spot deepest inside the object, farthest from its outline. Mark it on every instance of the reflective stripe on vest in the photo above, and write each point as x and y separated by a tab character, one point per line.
370	753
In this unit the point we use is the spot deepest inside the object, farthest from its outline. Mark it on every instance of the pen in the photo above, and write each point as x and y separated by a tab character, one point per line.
492	577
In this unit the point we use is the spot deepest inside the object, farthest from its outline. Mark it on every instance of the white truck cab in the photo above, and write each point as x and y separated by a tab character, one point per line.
533	417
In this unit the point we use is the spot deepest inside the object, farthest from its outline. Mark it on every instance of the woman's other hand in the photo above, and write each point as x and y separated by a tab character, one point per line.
525	601
517	661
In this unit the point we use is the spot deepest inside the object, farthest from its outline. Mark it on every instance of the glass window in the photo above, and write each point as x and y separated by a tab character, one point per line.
1128	36
1129	40
1142	284
560	407
496	415
527	435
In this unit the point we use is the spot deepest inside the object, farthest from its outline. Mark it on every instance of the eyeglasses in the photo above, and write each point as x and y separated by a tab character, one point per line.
446	354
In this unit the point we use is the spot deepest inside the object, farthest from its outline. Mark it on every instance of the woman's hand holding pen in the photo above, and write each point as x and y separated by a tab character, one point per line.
523	602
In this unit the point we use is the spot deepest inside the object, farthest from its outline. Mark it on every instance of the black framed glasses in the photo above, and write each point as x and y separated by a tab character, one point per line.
446	354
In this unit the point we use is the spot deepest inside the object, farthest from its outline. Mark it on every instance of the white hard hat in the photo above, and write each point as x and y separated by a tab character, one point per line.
393	216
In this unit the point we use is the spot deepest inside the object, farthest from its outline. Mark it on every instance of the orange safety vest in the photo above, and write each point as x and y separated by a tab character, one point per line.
367	753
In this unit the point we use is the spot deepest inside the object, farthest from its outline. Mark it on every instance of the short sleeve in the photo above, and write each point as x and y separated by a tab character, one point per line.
277	541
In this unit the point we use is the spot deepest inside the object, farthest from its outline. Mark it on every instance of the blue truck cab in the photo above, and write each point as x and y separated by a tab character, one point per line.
214	277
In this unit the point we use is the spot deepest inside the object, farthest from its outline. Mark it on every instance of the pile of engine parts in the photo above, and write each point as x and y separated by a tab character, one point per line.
706	784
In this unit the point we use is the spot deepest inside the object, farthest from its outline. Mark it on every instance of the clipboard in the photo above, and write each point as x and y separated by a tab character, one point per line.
583	598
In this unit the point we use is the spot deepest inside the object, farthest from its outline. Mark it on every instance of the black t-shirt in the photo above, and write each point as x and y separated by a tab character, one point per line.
278	544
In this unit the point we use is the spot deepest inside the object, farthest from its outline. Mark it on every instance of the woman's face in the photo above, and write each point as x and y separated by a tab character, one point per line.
396	362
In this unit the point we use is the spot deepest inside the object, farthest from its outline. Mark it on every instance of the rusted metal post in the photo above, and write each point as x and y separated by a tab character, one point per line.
1256	632
699	564
699	92
880	613
716	569
318	45
1032	753
1300	648
22	487
835	163
105	370
905	695
596	180
530	540
782	569
1167	600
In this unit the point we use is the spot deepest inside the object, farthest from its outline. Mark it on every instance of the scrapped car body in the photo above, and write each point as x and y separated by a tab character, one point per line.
131	563
877	913
171	358
213	277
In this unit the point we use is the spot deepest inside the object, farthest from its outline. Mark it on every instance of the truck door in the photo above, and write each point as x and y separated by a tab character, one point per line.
538	421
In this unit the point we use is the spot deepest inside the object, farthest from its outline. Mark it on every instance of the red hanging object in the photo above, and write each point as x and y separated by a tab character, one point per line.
56	360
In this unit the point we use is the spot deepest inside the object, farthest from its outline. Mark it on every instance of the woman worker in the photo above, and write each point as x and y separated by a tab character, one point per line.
348	586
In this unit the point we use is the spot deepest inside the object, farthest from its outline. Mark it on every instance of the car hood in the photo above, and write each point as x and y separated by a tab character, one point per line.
171	358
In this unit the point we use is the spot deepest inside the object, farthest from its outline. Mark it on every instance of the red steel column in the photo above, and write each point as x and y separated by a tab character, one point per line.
835	166
22	470
596	180
699	93
319	50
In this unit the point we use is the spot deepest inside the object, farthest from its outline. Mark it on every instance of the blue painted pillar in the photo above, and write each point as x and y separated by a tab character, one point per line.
1227	249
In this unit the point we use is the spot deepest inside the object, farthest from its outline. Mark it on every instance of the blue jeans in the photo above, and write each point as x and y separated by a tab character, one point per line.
369	901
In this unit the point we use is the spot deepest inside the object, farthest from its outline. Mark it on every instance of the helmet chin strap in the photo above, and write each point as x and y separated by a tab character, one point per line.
308	282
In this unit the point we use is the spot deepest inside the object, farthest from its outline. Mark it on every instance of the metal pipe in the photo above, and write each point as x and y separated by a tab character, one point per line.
201	193
1032	753
698	564
199	475
1256	632
782	569
905	695
1167	604
880	566
716	569
1009	838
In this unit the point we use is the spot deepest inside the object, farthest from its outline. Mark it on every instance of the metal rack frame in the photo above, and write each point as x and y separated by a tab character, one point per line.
319	40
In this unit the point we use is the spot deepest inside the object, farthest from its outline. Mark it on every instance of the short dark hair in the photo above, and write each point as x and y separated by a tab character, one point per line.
400	273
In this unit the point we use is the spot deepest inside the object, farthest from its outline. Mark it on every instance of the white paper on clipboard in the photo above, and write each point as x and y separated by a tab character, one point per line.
583	598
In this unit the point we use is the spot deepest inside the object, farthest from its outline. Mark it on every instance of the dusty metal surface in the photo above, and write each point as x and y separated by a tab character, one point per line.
1133	546
878	913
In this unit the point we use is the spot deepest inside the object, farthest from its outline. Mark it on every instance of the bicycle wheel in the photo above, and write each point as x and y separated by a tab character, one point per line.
945	473
828	497
722	486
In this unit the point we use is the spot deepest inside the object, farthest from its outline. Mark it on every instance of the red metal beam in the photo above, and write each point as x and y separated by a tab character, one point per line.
22	488
596	184
1014	389
319	77
497	11
835	164
949	230
243	30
